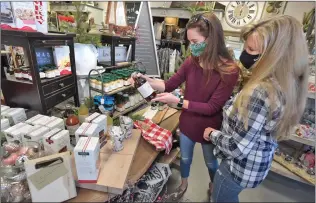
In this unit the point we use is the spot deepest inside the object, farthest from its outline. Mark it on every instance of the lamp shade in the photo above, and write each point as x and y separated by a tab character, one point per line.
171	21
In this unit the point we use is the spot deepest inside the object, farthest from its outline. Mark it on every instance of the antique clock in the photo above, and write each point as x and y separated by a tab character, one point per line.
241	13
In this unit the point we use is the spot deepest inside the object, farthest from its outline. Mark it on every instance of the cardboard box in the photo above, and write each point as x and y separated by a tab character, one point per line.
43	121
17	132
4	108
36	134
15	115
5	124
91	130
101	121
87	159
50	178
56	141
34	118
55	122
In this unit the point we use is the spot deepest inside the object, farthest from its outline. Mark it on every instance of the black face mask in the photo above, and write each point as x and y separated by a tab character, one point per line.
247	60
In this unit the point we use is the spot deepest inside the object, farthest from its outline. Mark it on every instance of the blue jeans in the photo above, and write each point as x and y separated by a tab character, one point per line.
187	147
225	189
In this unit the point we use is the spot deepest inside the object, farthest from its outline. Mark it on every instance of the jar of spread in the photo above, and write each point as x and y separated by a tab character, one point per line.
72	124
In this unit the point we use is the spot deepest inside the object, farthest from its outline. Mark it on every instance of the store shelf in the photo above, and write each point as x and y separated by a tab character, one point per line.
5	52
311	95
112	92
302	140
117	113
281	170
13	79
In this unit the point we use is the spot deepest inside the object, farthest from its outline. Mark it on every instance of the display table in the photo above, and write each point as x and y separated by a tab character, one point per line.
144	157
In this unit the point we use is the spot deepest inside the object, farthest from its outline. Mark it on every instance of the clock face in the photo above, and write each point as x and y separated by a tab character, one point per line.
241	13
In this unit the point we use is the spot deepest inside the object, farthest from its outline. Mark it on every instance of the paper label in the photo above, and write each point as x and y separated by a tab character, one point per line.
145	90
72	129
102	101
47	175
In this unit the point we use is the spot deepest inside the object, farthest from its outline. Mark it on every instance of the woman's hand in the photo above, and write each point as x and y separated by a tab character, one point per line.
167	98
207	133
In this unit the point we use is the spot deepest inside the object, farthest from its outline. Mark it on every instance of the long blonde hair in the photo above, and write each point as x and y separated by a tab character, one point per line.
284	58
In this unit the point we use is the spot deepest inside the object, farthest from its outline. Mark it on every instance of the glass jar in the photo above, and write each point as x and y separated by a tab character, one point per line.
127	101
72	124
98	84
121	81
93	82
18	74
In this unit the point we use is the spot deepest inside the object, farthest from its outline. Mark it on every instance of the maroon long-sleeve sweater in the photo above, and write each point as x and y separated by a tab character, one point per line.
206	100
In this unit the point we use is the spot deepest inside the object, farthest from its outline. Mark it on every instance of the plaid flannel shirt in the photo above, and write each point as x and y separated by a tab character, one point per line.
249	153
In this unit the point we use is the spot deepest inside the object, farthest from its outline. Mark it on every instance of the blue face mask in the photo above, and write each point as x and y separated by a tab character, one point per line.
198	48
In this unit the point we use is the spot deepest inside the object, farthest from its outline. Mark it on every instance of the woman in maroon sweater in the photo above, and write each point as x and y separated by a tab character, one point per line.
210	76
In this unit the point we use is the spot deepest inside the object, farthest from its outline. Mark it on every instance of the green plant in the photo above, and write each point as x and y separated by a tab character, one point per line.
201	7
274	6
80	27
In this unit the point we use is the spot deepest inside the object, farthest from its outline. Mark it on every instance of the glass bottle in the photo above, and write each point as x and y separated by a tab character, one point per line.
67	112
72	124
144	88
83	112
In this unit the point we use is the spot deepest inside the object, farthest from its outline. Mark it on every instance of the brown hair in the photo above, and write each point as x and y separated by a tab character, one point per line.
215	56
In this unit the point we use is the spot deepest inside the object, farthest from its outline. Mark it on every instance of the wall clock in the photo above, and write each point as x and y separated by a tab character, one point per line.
241	13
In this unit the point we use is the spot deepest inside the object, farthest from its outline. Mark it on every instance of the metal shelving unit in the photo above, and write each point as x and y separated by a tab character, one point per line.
99	73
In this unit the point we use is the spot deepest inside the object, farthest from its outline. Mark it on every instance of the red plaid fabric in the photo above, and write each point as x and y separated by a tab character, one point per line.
155	135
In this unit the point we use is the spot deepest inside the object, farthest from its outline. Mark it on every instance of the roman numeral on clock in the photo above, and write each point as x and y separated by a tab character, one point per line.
244	21
238	2
233	20
251	6
251	11
231	16
238	22
231	11
249	17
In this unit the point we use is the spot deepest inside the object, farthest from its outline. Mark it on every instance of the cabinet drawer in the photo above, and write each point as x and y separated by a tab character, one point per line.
60	96
58	85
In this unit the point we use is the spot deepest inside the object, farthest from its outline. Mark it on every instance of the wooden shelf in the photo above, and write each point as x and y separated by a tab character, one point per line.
281	170
302	140
117	113
112	92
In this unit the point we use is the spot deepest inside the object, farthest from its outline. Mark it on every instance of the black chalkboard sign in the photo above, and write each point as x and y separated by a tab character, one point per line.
44	56
132	9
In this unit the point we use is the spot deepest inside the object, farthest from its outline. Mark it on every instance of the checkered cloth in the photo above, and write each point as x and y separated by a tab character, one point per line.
249	152
155	135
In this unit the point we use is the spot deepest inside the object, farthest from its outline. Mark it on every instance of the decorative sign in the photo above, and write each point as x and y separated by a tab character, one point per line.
132	11
44	56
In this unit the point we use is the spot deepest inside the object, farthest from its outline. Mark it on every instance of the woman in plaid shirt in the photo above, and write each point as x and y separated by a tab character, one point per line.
267	108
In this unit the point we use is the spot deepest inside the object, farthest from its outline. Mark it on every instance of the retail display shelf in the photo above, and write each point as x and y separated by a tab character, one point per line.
117	113
302	140
112	92
281	170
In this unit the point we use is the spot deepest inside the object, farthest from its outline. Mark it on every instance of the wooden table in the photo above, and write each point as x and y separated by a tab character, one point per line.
144	157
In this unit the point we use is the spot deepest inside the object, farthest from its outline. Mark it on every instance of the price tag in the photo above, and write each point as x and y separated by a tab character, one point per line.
102	101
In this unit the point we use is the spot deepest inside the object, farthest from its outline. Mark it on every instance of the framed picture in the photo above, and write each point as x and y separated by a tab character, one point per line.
274	8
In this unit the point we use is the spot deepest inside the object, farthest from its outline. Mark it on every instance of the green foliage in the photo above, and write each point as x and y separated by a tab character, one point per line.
81	26
201	7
